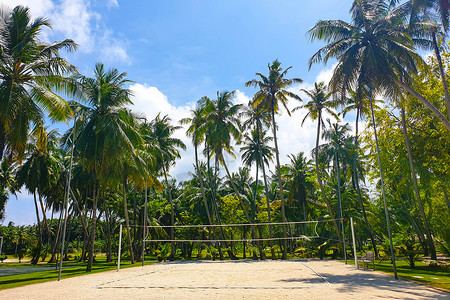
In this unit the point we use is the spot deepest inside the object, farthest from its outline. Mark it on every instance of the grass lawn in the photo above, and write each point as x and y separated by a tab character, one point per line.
76	269
422	273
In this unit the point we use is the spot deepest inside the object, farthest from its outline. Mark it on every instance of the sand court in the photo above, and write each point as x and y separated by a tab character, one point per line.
294	279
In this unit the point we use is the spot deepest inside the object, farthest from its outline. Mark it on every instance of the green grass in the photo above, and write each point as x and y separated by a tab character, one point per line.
76	269
422	273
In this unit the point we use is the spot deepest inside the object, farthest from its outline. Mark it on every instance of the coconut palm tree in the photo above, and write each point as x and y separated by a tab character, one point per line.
223	126
320	102
357	100
31	72
257	151
40	172
166	152
271	95
198	117
102	131
297	173
375	49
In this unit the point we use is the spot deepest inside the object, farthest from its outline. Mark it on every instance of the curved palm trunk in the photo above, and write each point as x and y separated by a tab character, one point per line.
268	202
205	203
280	183
93	227
358	189
127	218
441	70
416	188
35	259
172	215
382	187
425	102
241	202
319	178
340	205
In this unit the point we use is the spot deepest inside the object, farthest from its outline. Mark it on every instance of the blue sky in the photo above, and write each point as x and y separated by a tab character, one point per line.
179	51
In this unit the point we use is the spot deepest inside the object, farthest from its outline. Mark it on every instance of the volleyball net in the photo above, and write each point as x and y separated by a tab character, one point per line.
302	239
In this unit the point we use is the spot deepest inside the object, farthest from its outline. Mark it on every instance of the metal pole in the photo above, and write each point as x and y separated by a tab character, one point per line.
66	200
145	220
120	247
354	244
382	185
1	245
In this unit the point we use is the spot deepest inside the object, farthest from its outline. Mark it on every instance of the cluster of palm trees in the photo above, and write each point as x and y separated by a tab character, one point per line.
110	149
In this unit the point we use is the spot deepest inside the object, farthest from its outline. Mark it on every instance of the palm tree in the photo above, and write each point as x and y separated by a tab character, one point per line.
40	172
196	120
223	126
297	174
338	145
415	185
423	24
320	102
374	50
357	100
257	151
166	152
31	72
102	131
271	95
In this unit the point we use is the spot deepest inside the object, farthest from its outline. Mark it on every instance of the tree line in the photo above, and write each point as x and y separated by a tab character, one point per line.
112	157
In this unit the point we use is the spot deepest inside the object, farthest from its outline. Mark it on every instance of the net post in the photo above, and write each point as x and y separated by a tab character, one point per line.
354	244
120	248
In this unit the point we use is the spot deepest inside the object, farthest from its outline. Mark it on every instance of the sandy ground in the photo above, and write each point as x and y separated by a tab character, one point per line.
268	279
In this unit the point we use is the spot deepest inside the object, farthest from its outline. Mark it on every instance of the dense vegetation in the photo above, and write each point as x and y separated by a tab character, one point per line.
113	167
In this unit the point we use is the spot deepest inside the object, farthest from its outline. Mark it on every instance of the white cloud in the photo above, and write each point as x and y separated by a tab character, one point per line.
76	19
112	3
114	50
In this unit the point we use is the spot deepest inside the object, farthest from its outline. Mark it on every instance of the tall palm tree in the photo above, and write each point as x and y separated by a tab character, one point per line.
102	130
375	49
40	171
320	102
338	145
357	100
429	237
271	95
423	23
223	126
198	117
257	151
31	72
297	174
166	152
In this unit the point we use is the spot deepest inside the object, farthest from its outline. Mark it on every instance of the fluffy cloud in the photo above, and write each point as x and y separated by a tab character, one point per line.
77	20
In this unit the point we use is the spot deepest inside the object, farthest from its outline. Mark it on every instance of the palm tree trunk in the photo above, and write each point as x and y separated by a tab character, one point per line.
280	183
240	201
44	217
127	219
441	70
254	194
269	219
39	246
319	178
382	186
205	203
340	205
416	187
172	214
425	102
93	227
358	189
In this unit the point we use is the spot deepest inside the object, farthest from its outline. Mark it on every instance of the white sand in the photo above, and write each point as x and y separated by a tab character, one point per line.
268	279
